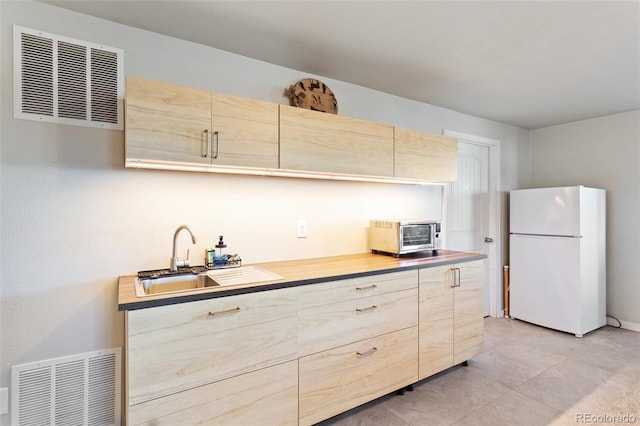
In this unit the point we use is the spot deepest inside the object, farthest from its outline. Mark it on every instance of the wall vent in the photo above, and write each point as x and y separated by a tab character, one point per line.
67	81
82	389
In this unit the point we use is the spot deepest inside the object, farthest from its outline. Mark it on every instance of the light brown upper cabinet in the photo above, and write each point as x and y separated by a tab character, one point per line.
321	142
169	126
176	124
244	132
424	156
166	122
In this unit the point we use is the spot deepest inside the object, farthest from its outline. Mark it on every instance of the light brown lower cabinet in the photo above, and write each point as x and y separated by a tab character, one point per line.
342	312
174	349
436	320
451	315
342	378
264	397
468	312
357	340
303	354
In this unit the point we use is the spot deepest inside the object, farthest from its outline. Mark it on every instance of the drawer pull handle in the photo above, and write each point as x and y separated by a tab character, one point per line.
369	287
368	308
226	311
368	352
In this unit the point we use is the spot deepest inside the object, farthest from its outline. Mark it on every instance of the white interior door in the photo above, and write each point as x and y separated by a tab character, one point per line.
471	208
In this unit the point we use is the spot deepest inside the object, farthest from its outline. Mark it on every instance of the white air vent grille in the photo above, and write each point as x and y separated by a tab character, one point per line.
104	93
67	81
81	389
72	81
37	75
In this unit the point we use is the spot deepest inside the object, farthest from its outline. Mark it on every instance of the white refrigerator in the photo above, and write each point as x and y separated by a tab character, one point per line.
557	257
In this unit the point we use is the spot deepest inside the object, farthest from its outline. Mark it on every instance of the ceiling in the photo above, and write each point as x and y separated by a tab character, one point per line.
531	64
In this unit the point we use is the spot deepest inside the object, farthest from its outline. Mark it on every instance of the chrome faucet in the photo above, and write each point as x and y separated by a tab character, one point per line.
175	262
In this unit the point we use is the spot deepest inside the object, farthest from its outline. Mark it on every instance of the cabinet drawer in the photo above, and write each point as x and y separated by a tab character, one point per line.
177	347
267	396
355	288
342	378
327	326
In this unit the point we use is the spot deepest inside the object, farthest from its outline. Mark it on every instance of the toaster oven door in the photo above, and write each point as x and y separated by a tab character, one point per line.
416	237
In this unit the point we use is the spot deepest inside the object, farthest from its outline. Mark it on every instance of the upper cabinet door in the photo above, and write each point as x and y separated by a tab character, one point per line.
244	132
166	122
321	142
425	156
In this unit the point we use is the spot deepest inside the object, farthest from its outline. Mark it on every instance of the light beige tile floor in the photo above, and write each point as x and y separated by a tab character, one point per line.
527	375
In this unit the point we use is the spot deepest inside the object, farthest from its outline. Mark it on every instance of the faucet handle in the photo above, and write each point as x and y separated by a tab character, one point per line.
183	263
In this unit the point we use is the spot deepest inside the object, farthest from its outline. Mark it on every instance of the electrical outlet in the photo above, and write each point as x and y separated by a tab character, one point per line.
302	228
4	400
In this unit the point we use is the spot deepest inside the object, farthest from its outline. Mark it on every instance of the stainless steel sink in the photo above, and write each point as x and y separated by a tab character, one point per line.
172	284
190	282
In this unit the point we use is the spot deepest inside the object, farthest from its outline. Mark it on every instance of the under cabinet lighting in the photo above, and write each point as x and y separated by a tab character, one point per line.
187	167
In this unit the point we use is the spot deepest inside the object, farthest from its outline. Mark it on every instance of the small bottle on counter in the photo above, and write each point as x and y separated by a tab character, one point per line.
209	257
221	253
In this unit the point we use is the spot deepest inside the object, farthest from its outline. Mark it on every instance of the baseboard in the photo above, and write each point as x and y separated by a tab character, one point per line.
633	326
627	325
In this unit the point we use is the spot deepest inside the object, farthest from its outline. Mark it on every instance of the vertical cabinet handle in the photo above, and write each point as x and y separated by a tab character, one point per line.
456	277
204	143
216	143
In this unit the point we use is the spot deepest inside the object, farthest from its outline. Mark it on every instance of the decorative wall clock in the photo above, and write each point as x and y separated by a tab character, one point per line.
313	94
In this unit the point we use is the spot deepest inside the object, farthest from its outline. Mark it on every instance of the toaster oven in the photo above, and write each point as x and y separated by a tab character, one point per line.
398	237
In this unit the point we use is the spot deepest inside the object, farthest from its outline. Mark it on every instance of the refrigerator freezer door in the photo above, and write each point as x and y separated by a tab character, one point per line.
545	211
545	281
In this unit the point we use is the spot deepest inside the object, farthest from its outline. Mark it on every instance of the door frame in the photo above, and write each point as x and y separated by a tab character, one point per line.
495	249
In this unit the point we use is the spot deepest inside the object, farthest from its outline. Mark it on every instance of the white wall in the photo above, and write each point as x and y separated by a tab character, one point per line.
73	219
603	153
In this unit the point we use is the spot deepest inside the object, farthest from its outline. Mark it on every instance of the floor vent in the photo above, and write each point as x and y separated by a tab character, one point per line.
67	81
82	389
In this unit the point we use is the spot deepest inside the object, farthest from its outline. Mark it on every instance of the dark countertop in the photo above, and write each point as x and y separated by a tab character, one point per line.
296	273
